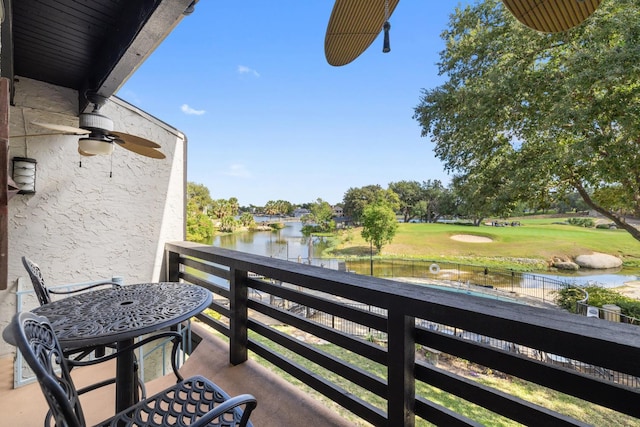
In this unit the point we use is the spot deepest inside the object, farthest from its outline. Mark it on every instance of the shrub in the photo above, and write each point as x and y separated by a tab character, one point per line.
229	224
582	222
598	296
566	298
311	228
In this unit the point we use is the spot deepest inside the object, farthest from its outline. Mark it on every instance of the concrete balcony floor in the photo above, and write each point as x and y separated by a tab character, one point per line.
279	403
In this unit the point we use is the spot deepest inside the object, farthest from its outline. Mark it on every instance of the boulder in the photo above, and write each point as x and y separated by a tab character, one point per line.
566	265
598	261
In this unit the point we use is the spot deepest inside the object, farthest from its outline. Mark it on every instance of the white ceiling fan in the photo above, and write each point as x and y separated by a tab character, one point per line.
98	137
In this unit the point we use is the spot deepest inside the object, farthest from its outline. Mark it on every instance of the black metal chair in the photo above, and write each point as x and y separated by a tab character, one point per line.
44	297
193	402
43	293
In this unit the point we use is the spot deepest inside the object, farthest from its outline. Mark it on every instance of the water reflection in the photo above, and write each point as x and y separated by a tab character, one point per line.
287	243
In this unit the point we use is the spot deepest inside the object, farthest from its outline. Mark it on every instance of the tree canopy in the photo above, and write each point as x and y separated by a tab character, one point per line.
379	224
409	193
199	225
356	199
529	114
320	219
278	207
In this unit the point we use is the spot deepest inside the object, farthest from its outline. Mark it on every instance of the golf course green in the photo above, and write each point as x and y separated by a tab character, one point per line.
530	246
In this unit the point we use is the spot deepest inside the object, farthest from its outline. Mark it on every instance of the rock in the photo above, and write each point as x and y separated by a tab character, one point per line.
566	265
598	261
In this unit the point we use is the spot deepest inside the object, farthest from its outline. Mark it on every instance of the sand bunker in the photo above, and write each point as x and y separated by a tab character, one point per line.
469	238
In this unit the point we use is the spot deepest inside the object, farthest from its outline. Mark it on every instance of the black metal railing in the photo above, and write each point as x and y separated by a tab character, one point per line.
250	289
461	275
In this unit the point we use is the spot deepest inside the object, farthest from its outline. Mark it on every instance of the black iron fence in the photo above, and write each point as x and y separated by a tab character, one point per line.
461	276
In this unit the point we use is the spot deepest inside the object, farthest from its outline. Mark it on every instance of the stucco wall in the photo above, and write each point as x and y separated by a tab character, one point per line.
83	224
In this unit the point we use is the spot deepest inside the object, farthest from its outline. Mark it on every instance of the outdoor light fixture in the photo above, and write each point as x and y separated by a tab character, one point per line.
95	144
24	174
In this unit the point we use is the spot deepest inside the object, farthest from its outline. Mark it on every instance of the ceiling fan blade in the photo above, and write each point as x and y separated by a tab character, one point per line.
62	128
352	27
139	149
551	16
31	135
136	140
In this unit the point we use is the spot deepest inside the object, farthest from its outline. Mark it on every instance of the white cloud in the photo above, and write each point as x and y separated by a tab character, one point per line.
237	170
191	111
246	70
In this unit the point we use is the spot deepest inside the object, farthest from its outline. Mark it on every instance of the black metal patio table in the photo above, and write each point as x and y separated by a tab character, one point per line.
118	316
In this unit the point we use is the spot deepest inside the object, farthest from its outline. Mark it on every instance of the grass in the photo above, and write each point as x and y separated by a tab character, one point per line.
534	243
530	392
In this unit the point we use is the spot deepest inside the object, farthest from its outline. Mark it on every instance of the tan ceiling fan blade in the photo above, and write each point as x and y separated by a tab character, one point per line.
135	140
31	135
352	27
551	16
84	153
62	128
139	149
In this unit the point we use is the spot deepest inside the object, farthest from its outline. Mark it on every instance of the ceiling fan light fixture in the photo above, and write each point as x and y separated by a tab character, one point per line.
96	145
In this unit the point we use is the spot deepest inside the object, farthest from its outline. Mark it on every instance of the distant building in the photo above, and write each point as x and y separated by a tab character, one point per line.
337	211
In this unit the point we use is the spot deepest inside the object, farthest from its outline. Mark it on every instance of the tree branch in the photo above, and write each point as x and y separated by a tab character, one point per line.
617	219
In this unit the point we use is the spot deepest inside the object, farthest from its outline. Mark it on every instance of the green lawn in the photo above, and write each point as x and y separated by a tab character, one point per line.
536	239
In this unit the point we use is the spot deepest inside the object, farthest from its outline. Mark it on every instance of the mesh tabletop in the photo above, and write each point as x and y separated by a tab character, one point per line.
109	315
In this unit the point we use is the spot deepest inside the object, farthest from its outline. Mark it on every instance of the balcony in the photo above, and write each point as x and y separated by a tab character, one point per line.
358	344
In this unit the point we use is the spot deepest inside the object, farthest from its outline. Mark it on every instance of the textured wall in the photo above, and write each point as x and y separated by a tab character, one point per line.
82	224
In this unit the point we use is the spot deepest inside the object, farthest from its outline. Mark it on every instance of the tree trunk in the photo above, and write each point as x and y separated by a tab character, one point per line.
617	219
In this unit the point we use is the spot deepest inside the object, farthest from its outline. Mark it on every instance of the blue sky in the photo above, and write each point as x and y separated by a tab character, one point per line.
268	118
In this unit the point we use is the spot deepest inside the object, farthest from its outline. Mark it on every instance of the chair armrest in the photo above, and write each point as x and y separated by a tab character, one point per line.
84	288
247	400
176	338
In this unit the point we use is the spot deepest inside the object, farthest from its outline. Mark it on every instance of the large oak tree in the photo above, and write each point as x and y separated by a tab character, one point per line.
548	112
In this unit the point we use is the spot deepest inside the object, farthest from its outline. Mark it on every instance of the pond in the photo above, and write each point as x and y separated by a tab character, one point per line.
289	243
605	278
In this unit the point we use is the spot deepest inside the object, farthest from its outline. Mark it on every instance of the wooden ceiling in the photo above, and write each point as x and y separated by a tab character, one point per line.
90	45
551	16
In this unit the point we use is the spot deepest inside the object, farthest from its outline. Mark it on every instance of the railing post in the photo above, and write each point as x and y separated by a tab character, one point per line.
401	359
239	294
513	276
172	266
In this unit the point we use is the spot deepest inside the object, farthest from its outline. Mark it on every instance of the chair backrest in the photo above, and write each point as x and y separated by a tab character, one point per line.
36	279
36	340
